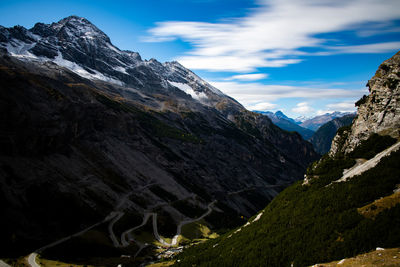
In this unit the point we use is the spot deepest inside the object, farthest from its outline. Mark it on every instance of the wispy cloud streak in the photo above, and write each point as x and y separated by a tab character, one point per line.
273	34
248	92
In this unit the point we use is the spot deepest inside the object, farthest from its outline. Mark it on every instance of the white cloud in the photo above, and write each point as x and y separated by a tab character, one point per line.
303	108
250	93
272	34
248	77
232	62
369	48
343	106
322	112
378	29
262	106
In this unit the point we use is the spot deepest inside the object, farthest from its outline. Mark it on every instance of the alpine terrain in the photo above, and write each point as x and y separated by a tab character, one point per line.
317	121
323	137
104	154
288	124
348	203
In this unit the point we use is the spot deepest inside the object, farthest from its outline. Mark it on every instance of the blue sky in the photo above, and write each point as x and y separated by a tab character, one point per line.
304	57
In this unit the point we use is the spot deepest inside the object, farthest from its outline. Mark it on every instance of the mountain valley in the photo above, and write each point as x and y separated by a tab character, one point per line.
288	124
110	160
105	154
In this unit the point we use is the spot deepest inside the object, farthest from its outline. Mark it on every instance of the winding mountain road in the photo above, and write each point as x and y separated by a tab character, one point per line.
32	260
32	257
111	225
124	235
174	240
146	217
114	217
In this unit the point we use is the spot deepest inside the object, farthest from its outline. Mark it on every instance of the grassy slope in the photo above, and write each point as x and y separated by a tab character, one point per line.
387	257
316	223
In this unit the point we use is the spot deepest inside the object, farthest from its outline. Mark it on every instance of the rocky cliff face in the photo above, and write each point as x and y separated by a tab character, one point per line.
379	112
88	129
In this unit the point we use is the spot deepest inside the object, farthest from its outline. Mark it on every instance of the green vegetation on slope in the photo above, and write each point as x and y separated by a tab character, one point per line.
372	146
315	223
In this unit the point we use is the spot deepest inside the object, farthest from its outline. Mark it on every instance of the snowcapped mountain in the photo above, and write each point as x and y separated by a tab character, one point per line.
77	44
301	119
317	121
288	124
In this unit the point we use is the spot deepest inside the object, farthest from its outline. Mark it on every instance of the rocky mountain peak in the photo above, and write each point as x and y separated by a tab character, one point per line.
78	27
279	114
379	112
77	44
75	19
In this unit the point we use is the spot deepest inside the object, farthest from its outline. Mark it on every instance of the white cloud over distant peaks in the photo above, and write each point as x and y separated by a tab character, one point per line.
323	112
248	77
247	93
273	34
303	108
261	106
343	106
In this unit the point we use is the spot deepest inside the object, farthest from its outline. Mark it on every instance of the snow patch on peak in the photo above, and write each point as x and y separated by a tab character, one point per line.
59	60
75	20
175	67
113	48
302	118
20	49
121	69
79	27
188	90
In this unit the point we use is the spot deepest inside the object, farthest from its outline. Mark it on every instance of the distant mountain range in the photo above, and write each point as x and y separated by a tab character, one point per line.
288	124
317	121
305	128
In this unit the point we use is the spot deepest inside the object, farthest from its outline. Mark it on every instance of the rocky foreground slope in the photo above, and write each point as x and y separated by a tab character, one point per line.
90	131
348	203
